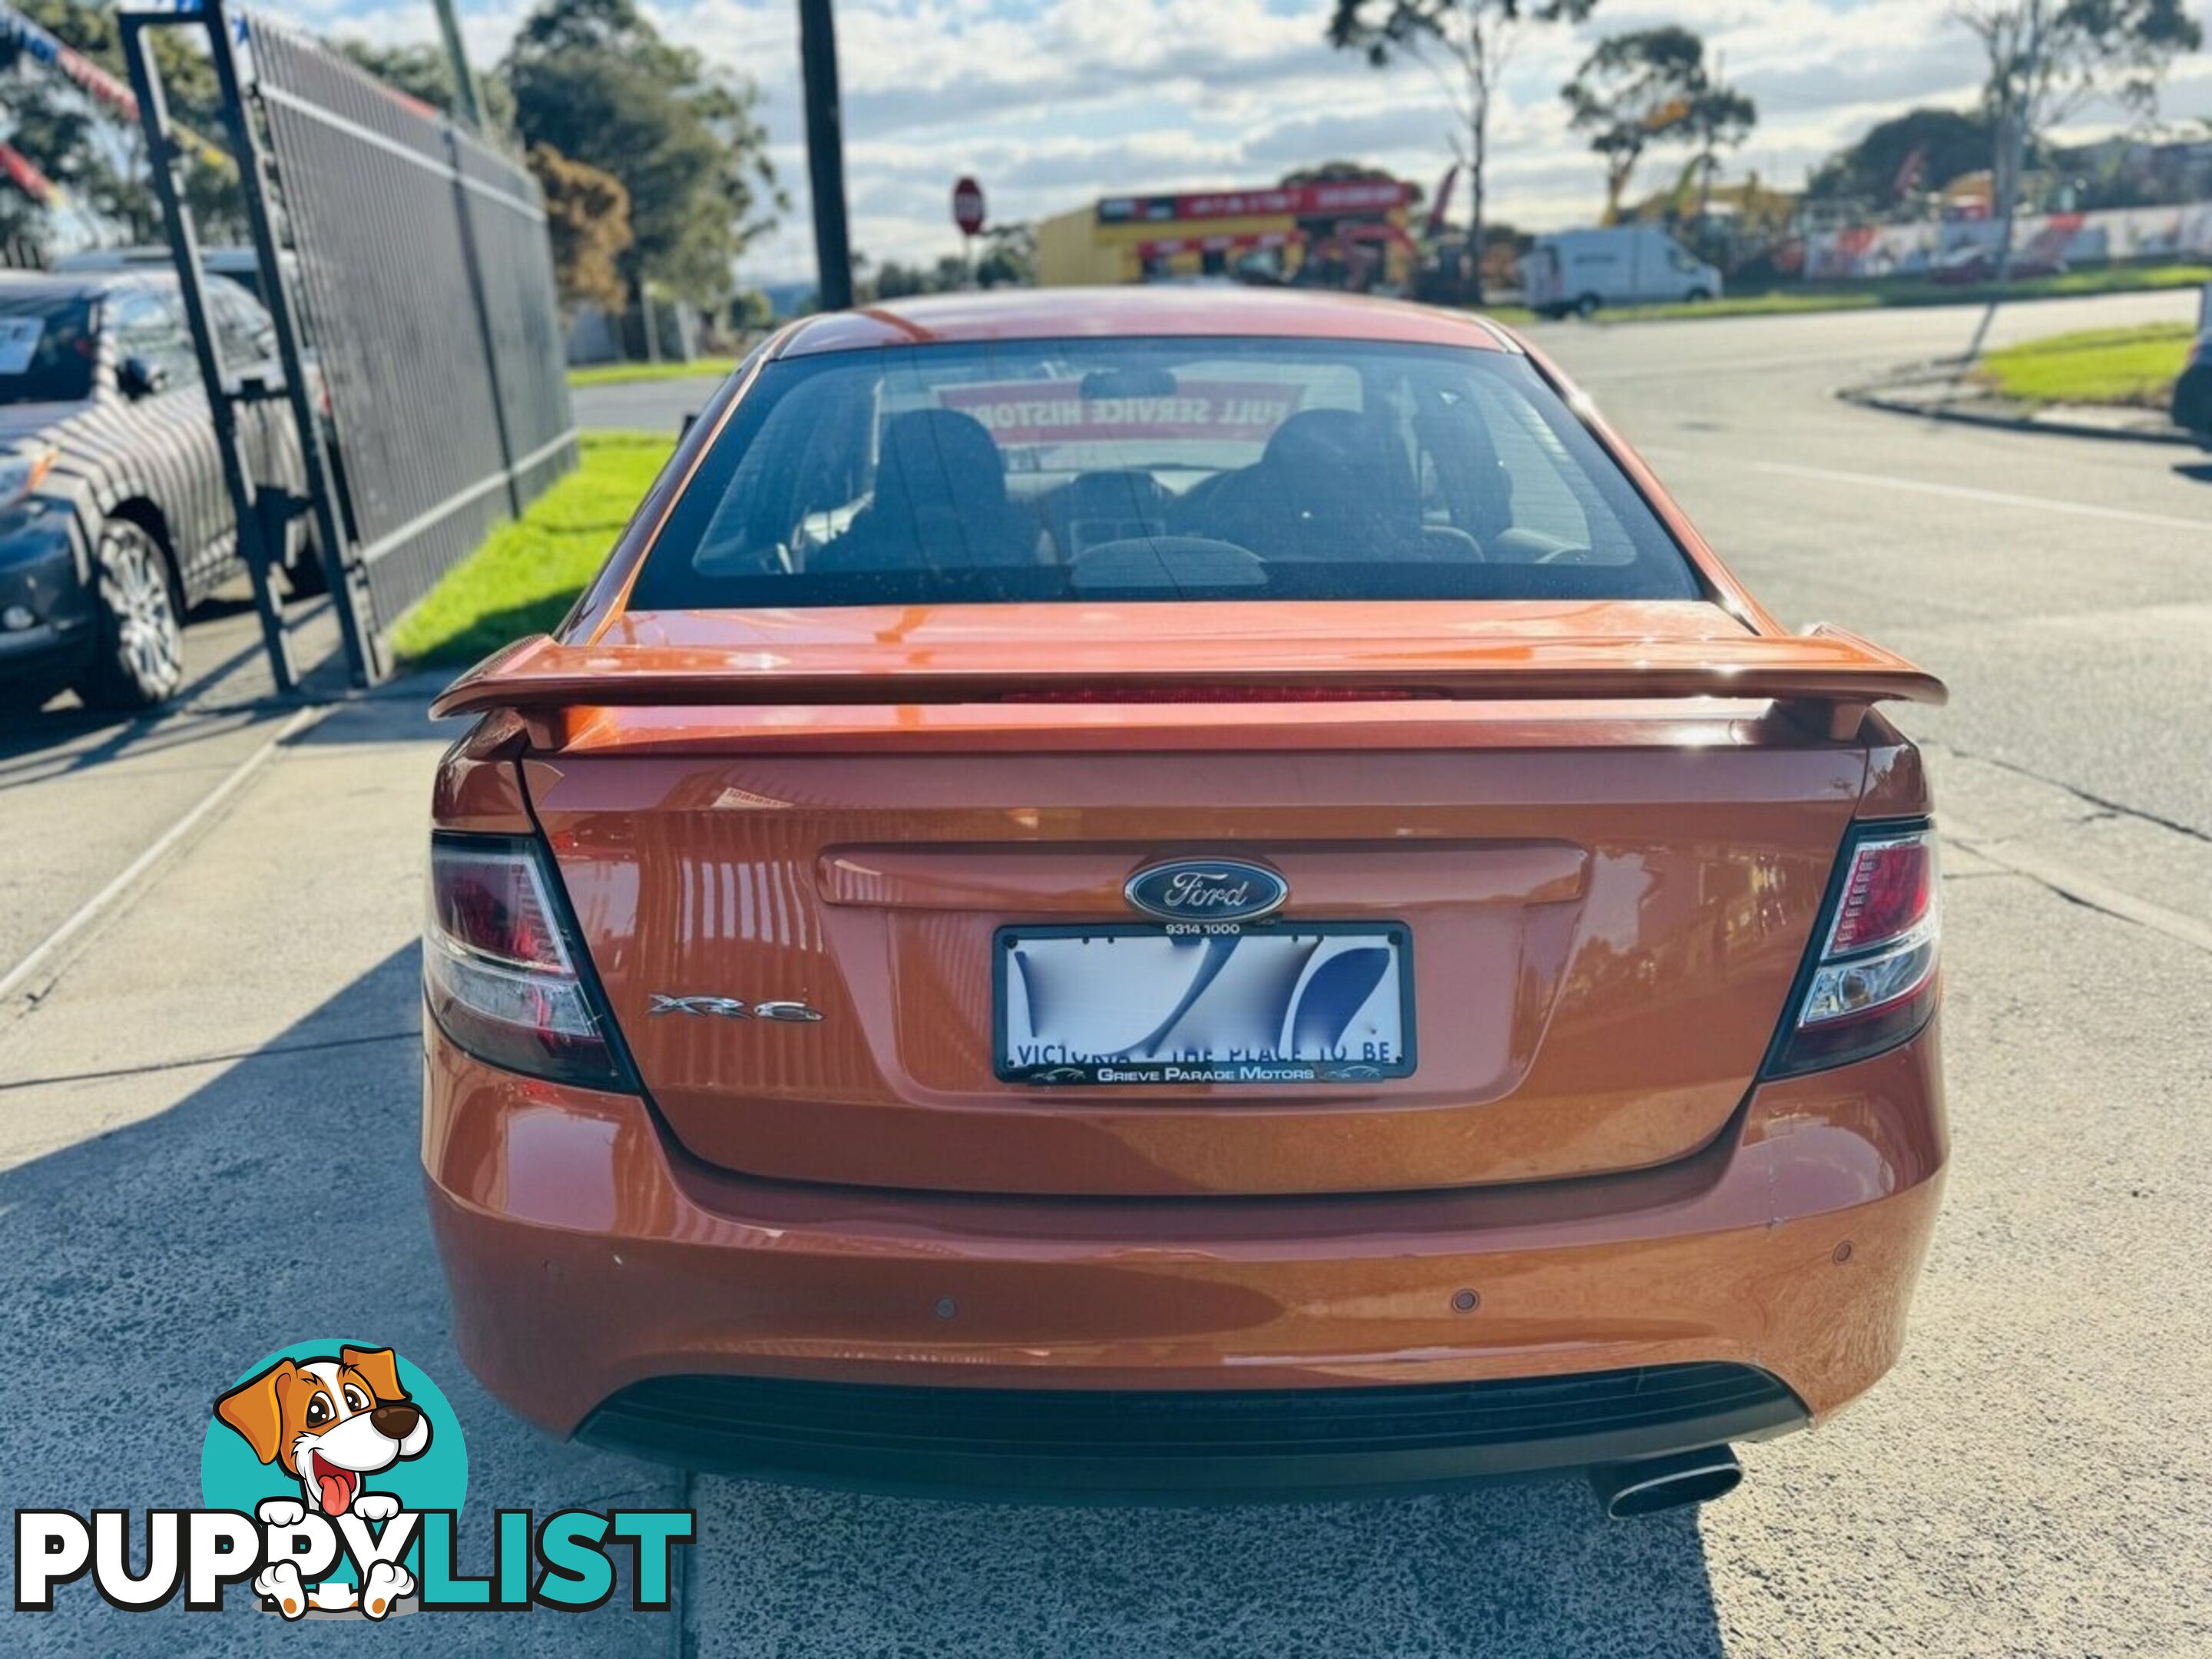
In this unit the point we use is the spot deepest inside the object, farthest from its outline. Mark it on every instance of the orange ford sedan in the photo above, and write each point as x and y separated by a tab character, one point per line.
1203	892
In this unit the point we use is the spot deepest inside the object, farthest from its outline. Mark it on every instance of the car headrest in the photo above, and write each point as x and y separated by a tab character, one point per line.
1336	464
938	460
1335	439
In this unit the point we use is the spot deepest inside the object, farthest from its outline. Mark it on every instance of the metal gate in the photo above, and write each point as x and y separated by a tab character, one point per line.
407	266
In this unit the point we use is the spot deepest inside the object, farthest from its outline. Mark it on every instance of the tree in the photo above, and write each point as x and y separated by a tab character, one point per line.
895	281
751	311
1718	115
1466	45
1007	259
1920	150
596	80
1009	256
425	74
94	151
1632	91
2049	58
587	220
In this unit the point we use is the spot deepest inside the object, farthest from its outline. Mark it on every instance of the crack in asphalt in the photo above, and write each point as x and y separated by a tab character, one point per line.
2076	887
269	1053
684	1639
53	956
2106	807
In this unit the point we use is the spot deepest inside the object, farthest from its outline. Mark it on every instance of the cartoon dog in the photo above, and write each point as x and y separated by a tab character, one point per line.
328	1423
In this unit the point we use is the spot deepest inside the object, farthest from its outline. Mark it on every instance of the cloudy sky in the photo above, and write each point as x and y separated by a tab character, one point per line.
1052	102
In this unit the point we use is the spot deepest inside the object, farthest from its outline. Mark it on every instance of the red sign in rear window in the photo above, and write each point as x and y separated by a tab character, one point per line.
1023	413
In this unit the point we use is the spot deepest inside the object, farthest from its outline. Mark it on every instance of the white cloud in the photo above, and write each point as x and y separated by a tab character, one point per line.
1052	102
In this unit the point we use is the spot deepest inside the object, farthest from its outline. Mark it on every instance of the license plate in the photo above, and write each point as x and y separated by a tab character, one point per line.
1284	1002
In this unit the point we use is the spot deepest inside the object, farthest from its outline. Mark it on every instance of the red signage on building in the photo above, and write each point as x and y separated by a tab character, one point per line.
1342	196
1164	247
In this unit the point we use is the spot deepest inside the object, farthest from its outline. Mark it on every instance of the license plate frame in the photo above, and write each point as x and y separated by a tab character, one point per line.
1282	1072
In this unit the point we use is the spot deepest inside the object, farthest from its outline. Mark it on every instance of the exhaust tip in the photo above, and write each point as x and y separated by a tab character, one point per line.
1651	1484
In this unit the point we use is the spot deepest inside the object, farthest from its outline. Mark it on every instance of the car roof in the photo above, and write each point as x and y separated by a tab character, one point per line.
1050	313
156	256
78	284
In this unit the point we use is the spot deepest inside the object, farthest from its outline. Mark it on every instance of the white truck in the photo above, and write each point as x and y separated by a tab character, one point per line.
1580	271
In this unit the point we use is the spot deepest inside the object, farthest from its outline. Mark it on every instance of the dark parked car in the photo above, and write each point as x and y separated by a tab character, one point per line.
240	265
114	520
2192	392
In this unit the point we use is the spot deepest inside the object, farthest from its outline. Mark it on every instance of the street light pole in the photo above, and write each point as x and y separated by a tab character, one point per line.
825	153
465	80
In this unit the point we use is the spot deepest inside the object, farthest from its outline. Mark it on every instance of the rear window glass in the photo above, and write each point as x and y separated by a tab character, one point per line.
1191	469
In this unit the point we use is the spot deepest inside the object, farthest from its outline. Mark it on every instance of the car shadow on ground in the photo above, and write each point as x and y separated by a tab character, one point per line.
225	671
40	750
264	1200
1518	1571
272	1198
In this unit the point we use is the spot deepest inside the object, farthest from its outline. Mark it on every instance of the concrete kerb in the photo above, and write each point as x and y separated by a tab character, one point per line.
26	983
1935	391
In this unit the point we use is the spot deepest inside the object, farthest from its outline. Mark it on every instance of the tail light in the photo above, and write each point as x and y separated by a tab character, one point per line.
501	969
1871	984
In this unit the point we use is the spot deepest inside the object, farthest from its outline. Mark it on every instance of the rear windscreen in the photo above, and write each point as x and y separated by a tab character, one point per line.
1191	469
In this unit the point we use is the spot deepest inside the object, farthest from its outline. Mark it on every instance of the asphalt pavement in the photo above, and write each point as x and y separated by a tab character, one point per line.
641	405
207	1123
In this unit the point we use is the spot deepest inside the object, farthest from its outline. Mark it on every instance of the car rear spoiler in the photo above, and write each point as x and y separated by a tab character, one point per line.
1827	672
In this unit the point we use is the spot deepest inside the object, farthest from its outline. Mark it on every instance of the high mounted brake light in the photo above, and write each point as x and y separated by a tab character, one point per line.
500	968
1872	984
1149	694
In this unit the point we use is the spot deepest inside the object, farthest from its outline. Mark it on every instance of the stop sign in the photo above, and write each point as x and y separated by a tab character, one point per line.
968	206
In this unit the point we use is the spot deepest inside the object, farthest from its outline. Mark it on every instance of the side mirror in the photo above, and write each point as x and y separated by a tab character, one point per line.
141	377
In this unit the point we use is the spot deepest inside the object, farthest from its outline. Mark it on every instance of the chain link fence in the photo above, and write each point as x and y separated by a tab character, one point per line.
427	285
410	279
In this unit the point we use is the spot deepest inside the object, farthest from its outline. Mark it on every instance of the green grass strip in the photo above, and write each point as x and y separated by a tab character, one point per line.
2132	367
526	575
699	368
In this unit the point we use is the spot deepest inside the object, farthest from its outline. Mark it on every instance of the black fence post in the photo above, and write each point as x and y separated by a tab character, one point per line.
473	261
364	653
161	155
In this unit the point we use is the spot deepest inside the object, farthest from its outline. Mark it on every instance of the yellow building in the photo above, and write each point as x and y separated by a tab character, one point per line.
1348	233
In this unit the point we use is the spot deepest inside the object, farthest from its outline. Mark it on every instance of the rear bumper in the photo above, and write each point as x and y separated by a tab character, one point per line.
1215	1442
591	1263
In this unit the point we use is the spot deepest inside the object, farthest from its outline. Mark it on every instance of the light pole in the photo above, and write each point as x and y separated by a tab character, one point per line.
825	153
465	81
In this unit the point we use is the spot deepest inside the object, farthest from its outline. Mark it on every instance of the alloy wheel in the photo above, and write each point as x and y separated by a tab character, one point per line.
149	641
